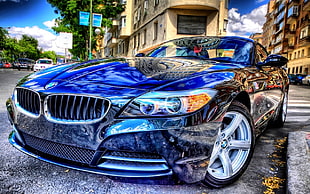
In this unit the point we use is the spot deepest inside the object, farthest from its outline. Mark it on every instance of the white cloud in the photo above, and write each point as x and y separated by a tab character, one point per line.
259	1
244	25
46	39
50	24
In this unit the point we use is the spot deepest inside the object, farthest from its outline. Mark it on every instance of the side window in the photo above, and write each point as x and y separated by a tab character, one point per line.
261	53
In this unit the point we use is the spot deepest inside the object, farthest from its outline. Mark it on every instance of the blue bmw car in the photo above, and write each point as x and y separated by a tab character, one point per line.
189	109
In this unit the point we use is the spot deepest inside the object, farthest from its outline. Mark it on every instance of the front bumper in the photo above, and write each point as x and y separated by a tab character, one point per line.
184	153
120	147
99	169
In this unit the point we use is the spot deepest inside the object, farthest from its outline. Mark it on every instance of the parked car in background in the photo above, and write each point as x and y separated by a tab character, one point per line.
191	107
7	65
24	63
296	78
306	80
42	64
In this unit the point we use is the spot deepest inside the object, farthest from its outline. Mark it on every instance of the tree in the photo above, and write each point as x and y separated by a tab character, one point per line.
50	55
11	48
69	20
3	37
29	47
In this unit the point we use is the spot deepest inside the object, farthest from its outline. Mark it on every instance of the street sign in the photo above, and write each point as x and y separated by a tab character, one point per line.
84	18
97	18
65	40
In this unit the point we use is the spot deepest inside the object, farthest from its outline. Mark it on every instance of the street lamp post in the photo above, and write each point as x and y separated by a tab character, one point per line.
90	29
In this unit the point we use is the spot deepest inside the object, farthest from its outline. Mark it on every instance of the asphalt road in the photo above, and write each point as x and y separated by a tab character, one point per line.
20	173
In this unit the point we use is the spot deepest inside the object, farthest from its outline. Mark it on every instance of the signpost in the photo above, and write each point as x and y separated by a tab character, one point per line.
65	40
94	19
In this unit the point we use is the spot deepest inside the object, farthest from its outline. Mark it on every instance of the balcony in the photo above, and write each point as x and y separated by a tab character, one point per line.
292	1
195	4
115	24
290	33
305	41
292	19
290	47
304	23
306	5
112	42
123	34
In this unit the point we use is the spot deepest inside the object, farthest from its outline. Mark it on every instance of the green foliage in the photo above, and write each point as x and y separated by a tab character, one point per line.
3	37
12	49
50	55
69	20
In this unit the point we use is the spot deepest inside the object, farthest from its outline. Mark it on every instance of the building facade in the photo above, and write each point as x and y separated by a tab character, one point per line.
287	32
147	23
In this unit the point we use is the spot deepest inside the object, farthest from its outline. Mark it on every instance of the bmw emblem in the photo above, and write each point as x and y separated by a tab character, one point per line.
51	85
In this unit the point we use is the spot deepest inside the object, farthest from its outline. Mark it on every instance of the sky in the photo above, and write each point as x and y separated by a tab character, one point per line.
36	17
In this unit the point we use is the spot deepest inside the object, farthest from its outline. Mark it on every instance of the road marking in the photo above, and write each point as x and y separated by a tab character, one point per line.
299	105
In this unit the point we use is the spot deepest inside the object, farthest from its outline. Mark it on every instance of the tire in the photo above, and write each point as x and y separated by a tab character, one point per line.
279	120
233	149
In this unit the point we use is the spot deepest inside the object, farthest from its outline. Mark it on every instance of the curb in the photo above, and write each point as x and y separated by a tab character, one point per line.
298	162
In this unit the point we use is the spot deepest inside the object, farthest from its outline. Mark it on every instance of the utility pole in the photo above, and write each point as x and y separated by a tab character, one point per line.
90	29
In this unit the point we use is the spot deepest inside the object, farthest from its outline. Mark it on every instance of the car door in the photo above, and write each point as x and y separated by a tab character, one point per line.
272	86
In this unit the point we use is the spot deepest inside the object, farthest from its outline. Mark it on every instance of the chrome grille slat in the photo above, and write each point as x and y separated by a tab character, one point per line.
78	108
28	101
69	108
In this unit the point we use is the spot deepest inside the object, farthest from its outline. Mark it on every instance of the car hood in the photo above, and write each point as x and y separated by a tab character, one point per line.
130	74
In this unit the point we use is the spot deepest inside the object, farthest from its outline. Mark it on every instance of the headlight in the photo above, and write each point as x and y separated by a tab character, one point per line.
162	103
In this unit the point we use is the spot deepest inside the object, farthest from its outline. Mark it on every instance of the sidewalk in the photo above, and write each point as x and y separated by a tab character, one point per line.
298	161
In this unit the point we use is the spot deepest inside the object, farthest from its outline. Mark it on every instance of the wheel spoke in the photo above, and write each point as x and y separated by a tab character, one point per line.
239	145
215	154
234	124
226	162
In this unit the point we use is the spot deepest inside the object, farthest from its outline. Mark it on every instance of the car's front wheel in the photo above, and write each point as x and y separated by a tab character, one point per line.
233	148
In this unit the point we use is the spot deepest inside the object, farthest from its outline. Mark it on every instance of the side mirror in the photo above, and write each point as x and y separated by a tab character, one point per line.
274	60
140	55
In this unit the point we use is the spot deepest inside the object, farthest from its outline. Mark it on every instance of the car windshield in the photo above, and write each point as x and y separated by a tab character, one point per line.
45	61
215	48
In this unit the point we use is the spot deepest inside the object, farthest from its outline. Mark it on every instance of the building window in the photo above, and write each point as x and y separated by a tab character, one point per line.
225	25
192	25
155	30
139	14
293	11
156	2
135	17
146	5
123	21
226	4
300	69
304	32
134	41
144	37
138	43
302	53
